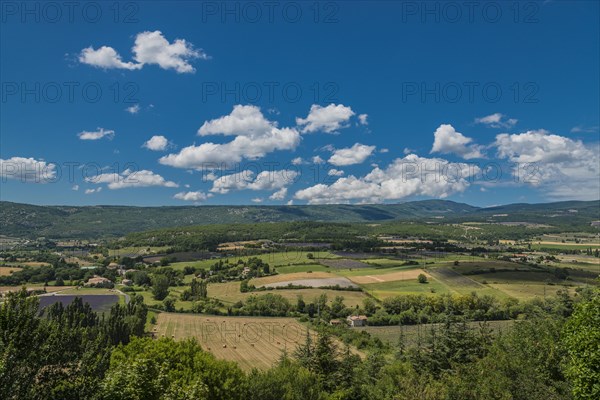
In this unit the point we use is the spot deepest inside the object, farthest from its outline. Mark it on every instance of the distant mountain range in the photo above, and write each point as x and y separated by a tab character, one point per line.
25	220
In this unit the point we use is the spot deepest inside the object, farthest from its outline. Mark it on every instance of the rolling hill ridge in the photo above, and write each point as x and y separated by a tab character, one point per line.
25	220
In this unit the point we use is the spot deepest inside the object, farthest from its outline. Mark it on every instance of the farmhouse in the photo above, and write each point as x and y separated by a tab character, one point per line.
335	322
95	280
357	320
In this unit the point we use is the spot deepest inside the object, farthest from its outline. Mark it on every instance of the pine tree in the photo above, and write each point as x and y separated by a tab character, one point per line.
304	353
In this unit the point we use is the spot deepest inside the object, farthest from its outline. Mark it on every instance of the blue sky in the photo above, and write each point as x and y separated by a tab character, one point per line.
299	102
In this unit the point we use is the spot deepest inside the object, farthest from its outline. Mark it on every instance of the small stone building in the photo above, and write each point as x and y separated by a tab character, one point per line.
357	320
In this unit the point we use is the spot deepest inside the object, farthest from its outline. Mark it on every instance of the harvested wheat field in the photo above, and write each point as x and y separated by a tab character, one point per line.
410	274
252	342
289	277
4	271
315	283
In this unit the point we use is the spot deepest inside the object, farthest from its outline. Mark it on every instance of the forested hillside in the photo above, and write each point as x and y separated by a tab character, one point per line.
24	220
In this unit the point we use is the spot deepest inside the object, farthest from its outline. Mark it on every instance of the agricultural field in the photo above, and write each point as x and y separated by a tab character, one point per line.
383	262
395	288
99	302
134	251
229	293
302	268
315	283
374	271
584	263
284	259
88	291
346	264
48	289
252	342
470	267
454	280
411	333
295	257
20	264
289	277
564	246
4	271
385	277
402	275
314	279
529	290
174	291
566	241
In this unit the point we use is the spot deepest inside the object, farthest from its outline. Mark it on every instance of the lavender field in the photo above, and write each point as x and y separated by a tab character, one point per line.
99	302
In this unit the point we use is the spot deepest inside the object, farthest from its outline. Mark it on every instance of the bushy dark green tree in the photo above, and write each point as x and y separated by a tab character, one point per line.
164	369
160	286
582	342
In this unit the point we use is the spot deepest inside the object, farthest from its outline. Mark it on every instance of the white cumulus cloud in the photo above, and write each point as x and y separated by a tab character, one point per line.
243	121
318	160
191	196
99	133
279	195
265	180
356	154
560	166
255	137
497	120
335	172
129	178
404	177
134	109
149	48
448	141
156	143
28	170
327	119
106	58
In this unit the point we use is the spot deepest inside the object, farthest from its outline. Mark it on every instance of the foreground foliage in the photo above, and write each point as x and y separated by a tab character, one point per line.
71	353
